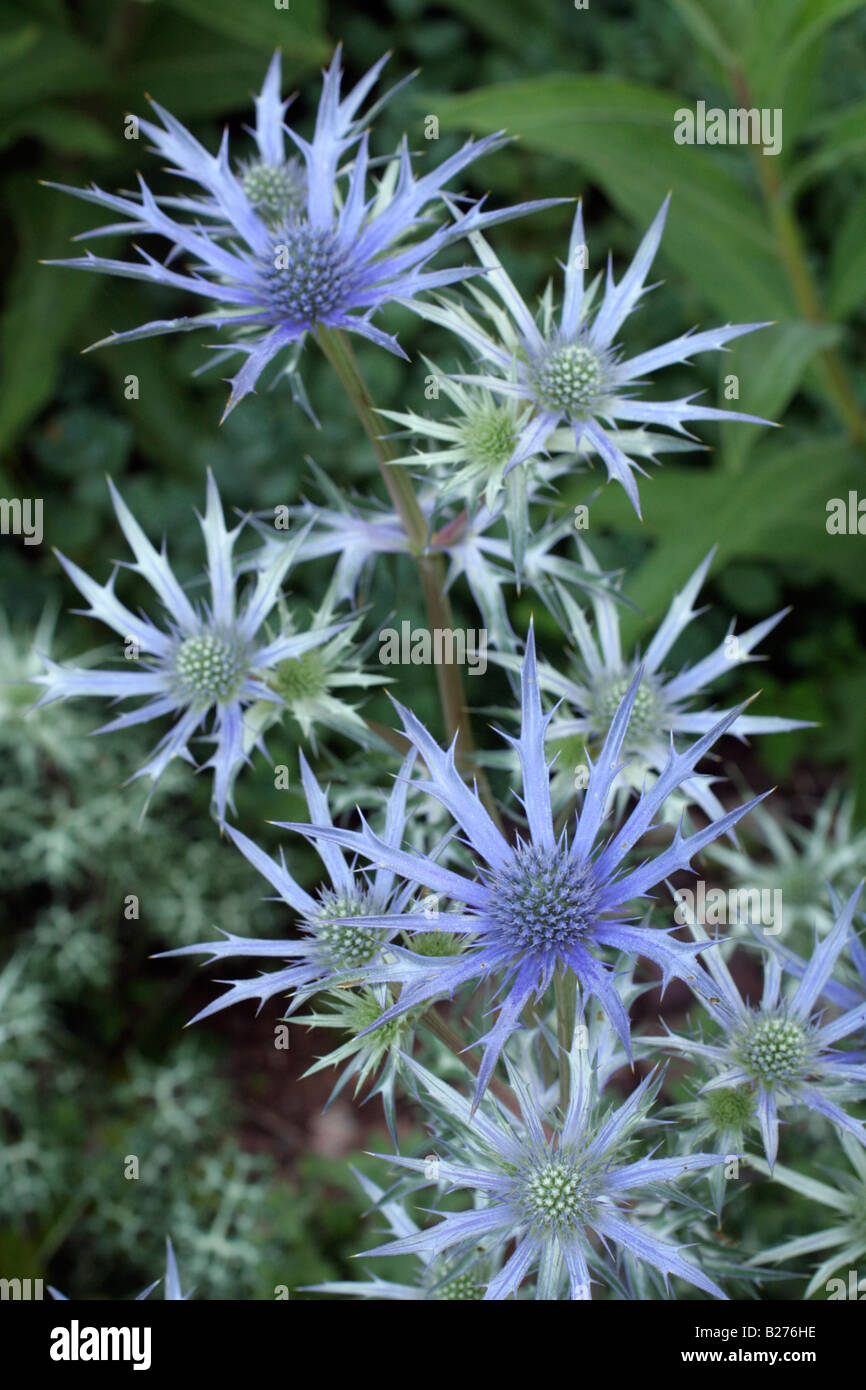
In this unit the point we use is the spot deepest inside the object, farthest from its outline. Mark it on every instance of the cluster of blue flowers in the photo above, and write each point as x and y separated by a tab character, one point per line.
532	913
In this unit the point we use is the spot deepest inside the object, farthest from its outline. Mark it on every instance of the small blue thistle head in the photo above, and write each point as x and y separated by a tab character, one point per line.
574	374
344	924
281	247
547	902
543	901
781	1053
210	660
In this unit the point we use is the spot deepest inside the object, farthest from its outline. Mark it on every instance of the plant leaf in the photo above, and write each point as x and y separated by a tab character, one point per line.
621	135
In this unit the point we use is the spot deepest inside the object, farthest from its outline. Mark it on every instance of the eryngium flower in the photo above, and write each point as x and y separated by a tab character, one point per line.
209	659
549	1195
780	1052
329	952
543	902
664	704
314	688
573	373
280	252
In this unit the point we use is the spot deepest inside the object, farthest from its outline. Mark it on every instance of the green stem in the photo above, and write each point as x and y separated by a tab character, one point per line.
564	992
339	352
431	568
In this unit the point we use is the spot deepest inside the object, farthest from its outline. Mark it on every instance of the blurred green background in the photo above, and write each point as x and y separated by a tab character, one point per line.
236	1161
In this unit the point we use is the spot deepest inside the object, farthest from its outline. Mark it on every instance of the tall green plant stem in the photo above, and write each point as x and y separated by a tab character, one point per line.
564	993
431	569
796	264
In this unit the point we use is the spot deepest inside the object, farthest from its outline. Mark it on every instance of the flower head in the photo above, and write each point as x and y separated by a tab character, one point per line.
369	1056
573	374
329	951
780	1052
314	687
209	659
282	247
476	442
472	449
549	1192
544	902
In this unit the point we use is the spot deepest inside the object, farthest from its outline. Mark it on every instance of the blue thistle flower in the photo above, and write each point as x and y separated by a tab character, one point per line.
781	1051
476	443
573	374
664	704
542	903
330	951
282	251
209	659
549	1193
